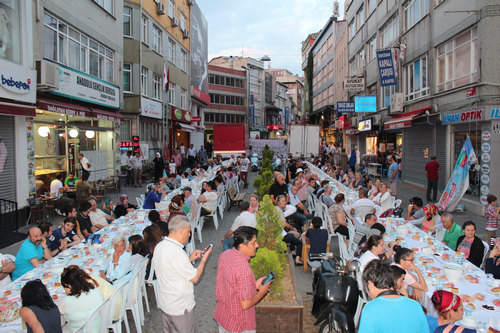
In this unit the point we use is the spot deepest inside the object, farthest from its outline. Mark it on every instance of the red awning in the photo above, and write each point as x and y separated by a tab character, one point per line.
64	108
403	120
106	115
14	109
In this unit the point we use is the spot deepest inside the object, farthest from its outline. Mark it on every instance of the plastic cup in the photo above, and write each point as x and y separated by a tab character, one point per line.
467	310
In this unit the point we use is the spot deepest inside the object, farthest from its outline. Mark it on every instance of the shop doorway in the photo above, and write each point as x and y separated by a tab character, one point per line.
181	137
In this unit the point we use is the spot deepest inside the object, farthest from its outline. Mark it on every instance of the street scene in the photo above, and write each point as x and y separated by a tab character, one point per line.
250	166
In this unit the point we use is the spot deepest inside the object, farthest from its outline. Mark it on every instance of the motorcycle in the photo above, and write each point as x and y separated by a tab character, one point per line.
336	294
254	162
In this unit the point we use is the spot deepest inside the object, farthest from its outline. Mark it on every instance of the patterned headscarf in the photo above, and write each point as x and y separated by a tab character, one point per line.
447	300
430	211
122	199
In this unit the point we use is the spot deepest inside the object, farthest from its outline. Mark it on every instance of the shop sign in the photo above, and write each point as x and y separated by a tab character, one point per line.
386	68
485	179
486	135
400	124
484	200
126	146
495	113
200	95
365	125
485	168
345	107
272	127
485	147
339	124
485	157
485	190
351	131
181	115
83	87
365	103
495	128
19	82
462	116
471	92
150	108
63	109
195	119
354	84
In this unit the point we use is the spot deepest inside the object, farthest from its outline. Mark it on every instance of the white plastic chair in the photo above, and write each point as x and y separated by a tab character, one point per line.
134	296
116	326
344	253
486	250
440	234
197	226
220	206
154	283
213	214
140	202
310	204
396	203
101	313
363	296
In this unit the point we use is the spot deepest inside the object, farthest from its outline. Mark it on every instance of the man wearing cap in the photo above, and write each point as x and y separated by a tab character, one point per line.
190	200
301	183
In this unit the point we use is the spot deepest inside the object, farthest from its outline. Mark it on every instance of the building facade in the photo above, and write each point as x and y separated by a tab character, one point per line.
295	92
308	72
442	94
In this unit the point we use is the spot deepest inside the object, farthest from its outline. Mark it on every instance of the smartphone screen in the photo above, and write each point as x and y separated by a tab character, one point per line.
268	278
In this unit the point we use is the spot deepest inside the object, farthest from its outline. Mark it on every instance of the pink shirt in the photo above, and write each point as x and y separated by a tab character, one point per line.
235	282
302	193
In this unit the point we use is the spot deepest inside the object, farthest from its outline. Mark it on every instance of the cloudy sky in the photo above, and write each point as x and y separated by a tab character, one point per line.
264	27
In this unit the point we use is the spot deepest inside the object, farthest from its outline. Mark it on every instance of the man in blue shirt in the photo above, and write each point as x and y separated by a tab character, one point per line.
64	236
393	175
33	252
153	196
388	311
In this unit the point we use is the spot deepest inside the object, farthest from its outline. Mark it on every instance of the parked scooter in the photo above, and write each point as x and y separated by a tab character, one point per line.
336	294
254	162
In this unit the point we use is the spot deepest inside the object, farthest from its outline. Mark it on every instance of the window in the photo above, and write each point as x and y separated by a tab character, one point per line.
457	61
352	29
144	81
127	77
171	51
68	46
107	5
125	128
390	31
386	95
361	59
372	5
156	39
415	11
360	17
171	94
127	21
183	61
226	99
353	66
416	79
183	22
372	49
171	8
157	81
183	98
144	29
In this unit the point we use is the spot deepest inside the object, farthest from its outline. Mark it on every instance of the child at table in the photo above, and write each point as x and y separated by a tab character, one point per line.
491	215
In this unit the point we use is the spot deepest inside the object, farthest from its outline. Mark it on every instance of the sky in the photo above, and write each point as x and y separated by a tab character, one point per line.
254	28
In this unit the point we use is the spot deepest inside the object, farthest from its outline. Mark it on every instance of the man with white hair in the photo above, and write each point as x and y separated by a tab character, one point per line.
176	277
98	218
326	196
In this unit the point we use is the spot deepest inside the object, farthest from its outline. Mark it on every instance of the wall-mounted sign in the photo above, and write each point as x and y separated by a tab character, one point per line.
345	107
181	115
485	179
495	113
354	84
386	68
365	125
87	88
365	103
485	189
484	200
486	147
272	127
462	116
485	168
486	136
126	146
150	108
195	119
471	92
19	83
485	157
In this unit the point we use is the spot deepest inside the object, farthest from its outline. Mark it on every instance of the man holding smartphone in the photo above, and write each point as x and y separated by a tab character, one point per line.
237	291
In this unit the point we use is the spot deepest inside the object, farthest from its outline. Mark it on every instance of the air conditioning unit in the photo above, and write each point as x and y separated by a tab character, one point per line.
175	21
190	2
185	34
47	75
160	8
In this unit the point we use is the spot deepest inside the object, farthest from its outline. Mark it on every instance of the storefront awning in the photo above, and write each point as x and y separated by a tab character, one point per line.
107	115
199	128
14	109
64	108
187	128
403	120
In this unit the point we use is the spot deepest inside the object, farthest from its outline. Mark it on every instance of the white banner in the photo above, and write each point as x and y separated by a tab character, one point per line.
354	84
150	108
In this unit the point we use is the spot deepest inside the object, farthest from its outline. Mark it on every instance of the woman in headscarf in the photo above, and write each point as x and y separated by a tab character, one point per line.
430	217
175	206
450	309
159	167
108	207
123	207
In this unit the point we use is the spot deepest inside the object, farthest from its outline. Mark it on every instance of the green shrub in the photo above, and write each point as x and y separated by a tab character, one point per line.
268	261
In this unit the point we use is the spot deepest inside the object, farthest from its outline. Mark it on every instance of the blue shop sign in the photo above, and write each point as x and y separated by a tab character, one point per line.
386	68
345	107
365	103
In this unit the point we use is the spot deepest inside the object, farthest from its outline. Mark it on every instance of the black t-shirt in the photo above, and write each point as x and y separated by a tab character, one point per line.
276	190
85	223
318	239
293	172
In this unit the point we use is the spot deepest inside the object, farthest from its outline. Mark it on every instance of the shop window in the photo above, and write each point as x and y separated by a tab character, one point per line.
11	34
416	79
457	61
127	21
415	11
127	77
474	174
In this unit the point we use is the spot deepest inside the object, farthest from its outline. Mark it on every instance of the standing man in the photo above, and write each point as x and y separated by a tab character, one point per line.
84	162
130	169
344	161
453	231
137	161
56	191
33	252
202	155
191	155
210	149
176	277
393	175
245	163
431	171
236	291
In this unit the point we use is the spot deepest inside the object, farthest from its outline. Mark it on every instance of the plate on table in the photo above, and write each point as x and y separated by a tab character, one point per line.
494	291
489	307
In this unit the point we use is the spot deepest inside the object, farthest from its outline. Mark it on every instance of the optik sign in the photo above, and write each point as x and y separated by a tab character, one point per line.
15	82
386	68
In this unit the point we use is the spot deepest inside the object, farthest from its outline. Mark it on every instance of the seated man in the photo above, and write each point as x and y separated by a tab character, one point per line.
317	238
83	219
326	196
70	211
370	227
322	188
83	190
301	215
190	201
290	234
56	191
415	211
98	218
6	267
70	181
33	252
363	205
244	219
64	237
154	196
279	188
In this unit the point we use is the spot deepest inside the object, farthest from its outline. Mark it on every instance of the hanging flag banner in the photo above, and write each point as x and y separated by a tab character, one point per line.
386	68
459	180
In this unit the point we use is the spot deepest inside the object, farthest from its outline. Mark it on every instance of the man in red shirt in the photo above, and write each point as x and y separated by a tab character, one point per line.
431	171
236	291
